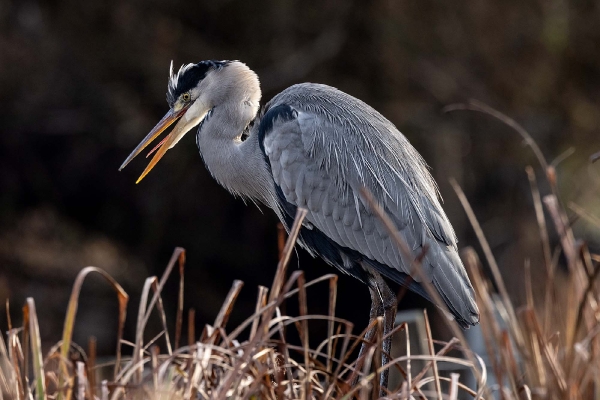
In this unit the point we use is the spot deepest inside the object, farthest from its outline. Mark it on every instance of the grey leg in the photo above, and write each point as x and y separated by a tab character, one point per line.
389	305
383	303
376	311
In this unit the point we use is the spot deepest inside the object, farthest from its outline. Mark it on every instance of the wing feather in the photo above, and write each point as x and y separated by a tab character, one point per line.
337	144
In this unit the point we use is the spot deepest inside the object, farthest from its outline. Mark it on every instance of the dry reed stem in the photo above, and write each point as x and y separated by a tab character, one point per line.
261	302
36	349
545	241
91	366
453	387
474	105
140	328
191	326
488	255
436	375
69	323
227	307
81	380
179	318
163	317
578	277
287	252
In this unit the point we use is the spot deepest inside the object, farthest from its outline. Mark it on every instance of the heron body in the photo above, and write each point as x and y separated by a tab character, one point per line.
315	147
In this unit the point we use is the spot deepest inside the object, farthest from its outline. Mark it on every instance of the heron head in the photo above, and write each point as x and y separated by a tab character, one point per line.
189	102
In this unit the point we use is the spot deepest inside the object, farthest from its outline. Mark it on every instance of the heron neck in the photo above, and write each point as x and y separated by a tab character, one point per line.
239	166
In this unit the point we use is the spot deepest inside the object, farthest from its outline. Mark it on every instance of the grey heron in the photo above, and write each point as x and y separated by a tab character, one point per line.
315	147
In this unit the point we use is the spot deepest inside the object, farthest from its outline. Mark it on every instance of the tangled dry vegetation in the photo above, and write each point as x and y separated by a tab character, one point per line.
537	351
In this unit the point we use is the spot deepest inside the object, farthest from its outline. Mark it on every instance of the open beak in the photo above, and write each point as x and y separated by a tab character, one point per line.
182	127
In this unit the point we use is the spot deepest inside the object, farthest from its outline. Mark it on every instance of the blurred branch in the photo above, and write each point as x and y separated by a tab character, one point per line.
478	106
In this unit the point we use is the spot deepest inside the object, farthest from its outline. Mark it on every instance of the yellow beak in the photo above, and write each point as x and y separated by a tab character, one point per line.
163	124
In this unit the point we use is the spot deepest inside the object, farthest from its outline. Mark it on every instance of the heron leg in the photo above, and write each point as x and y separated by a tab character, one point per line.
383	304
389	304
376	311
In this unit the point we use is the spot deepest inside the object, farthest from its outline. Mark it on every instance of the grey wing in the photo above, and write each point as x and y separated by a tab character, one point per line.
336	144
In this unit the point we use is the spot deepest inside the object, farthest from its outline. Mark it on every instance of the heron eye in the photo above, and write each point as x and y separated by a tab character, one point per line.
186	97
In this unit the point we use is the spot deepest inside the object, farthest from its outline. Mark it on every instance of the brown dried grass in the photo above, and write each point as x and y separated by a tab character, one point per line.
533	352
219	365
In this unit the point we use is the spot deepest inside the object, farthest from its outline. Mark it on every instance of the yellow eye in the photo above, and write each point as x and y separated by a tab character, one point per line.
186	97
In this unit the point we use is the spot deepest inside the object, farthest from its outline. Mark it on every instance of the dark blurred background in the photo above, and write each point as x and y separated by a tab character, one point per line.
81	83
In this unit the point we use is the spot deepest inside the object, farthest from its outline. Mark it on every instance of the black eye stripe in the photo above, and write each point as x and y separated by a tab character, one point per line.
188	78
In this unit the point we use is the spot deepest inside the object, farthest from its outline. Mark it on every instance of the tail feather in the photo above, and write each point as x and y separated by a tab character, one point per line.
450	279
447	274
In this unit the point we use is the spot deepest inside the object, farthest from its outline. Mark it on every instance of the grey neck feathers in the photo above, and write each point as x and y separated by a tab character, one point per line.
239	166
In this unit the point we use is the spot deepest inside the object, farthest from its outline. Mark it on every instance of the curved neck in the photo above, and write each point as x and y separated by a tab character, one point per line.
238	166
